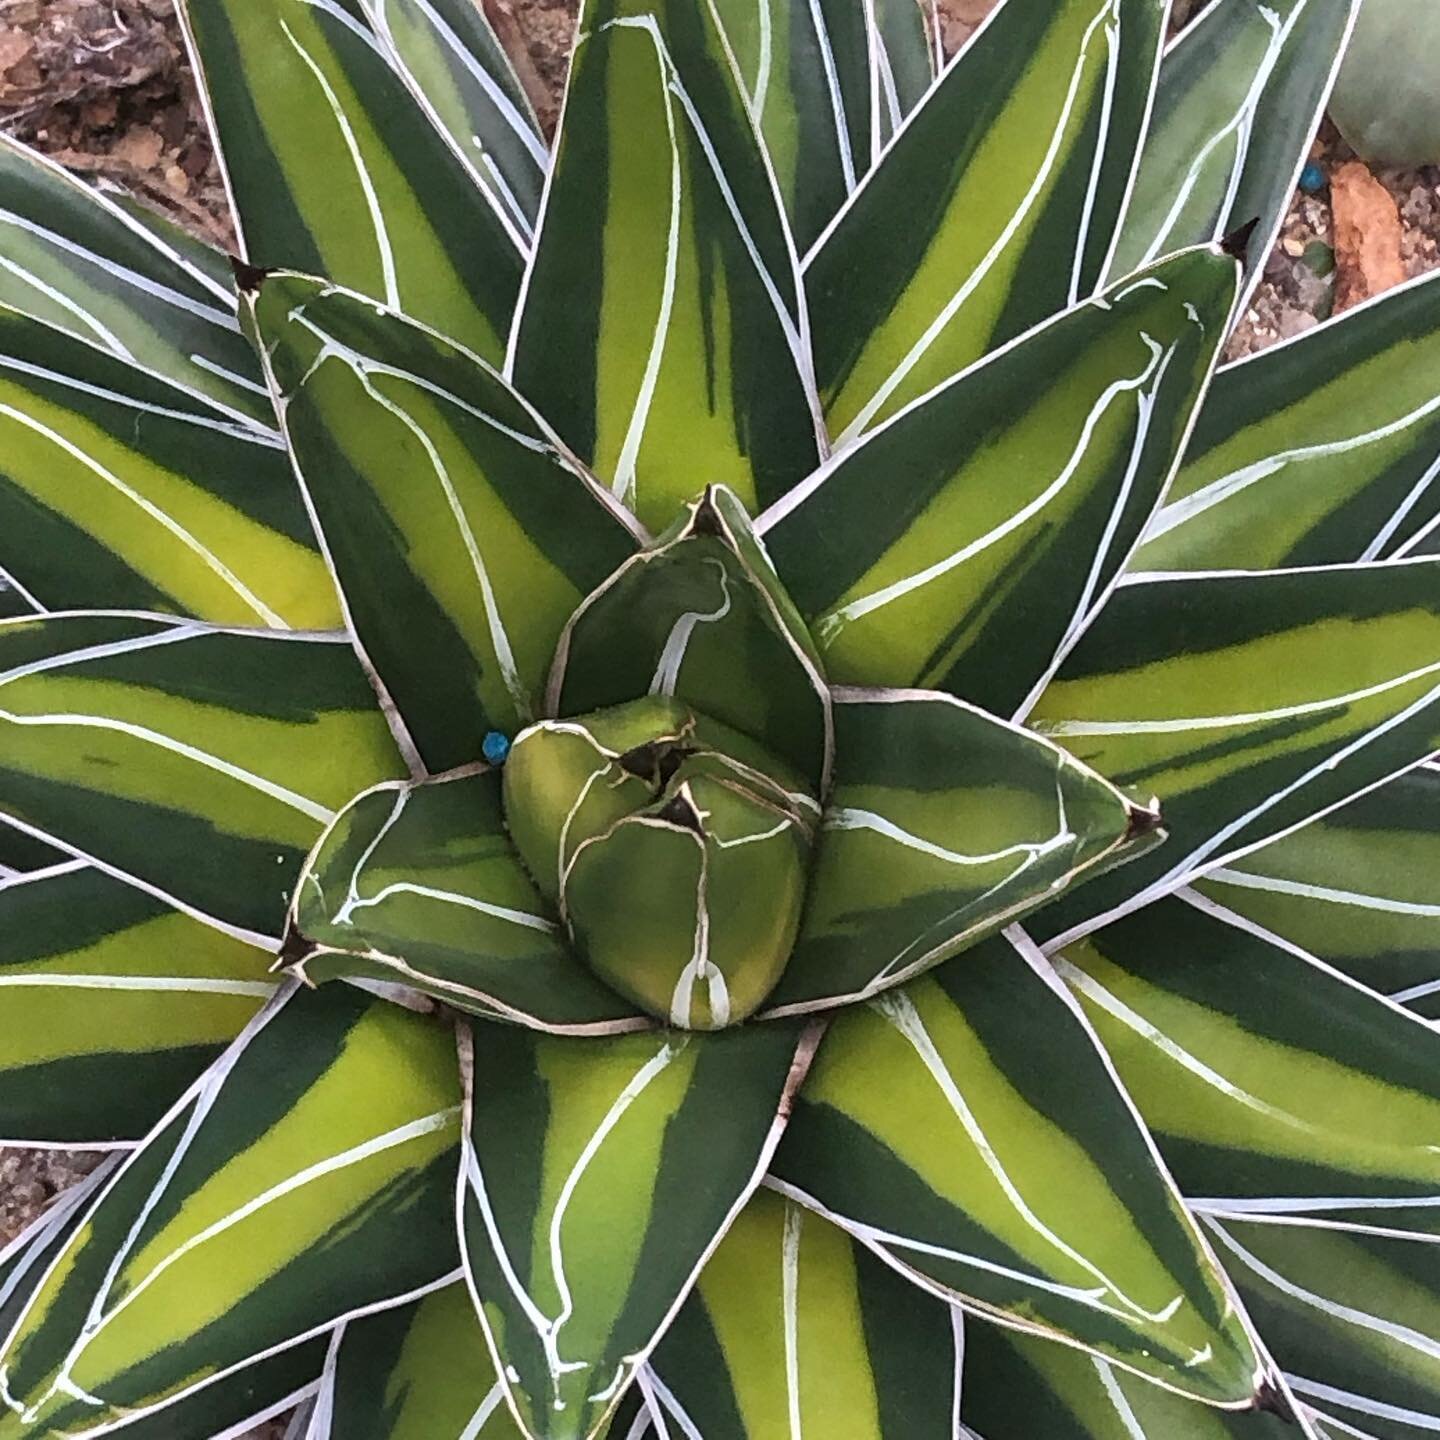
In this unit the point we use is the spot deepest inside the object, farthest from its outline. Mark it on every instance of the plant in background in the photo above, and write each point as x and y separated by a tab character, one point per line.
1387	95
711	783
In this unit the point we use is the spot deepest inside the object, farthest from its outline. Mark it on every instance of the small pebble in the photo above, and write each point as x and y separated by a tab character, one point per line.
495	747
1312	179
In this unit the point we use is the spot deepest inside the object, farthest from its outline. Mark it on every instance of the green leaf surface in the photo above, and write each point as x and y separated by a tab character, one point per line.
992	209
702	619
1356	889
111	1004
1021	1387
457	69
943	825
963	545
120	491
1001	1164
797	1330
597	1177
305	1178
461	536
200	763
420	885
333	168
80	261
1239	100
660	329
1271	1082
1314	452
1351	1314
1249	703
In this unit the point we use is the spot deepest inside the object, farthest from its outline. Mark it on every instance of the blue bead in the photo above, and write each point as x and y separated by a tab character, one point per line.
1312	179
495	747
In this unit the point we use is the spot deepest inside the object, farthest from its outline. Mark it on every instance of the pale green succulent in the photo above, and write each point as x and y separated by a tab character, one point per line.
1387	95
799	823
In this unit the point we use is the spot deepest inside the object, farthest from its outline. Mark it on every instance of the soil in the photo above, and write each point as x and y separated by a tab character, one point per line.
104	88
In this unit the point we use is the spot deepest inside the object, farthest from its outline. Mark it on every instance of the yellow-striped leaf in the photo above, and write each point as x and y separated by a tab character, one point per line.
943	824
1249	703
1272	1083
1239	98
306	1177
120	491
795	1331
198	762
420	885
1000	1164
111	1003
334	168
963	545
661	319
78	259
598	1174
1012	173
1316	453
461	535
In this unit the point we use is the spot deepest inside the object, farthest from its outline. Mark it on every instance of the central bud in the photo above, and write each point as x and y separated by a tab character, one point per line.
674	848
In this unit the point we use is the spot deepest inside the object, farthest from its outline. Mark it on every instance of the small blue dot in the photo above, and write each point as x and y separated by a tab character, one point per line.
495	747
1312	179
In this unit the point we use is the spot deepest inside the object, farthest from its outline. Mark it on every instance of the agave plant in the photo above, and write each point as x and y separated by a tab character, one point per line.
709	782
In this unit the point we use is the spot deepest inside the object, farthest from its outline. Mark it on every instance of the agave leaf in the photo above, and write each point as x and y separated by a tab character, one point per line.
1249	703
1271	1082
828	83
420	885
698	618
78	260
118	489
1316	453
795	1329
15	601
963	545
1017	1387
461	537
458	71
333	168
1355	889
943	825
1002	1165
1353	1315
112	1004
201	764
597	1176
1014	169
661	326
305	1178
1240	97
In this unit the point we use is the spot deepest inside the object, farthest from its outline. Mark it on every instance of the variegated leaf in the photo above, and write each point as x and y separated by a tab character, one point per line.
333	168
305	1178
943	824
1014	169
1239	99
120	491
1352	1315
461	536
1001	1164
457	69
1272	1083
1316	453
1249	703
662	320
111	1003
77	259
420	885
796	1330
963	545
200	763
598	1175
700	618
1356	889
